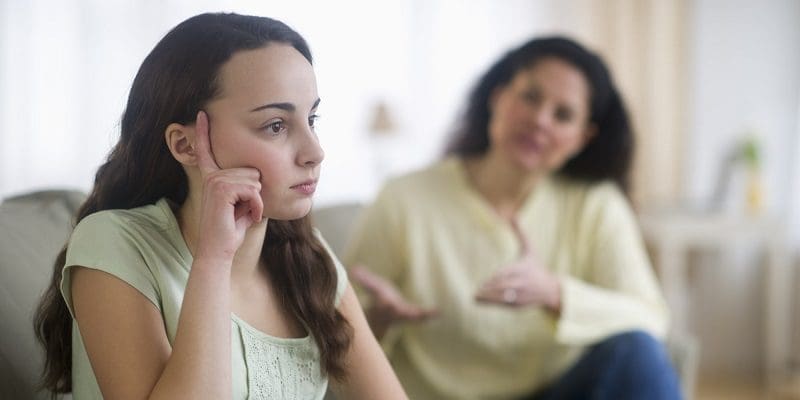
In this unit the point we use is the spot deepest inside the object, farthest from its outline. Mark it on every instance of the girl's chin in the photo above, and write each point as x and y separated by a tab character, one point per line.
295	211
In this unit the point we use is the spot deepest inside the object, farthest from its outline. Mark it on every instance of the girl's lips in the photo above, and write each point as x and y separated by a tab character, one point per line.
307	188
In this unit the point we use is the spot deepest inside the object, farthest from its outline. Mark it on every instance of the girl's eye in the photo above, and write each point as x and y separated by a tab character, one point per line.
312	121
275	128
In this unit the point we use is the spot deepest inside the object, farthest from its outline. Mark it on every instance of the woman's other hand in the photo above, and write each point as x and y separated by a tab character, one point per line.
388	306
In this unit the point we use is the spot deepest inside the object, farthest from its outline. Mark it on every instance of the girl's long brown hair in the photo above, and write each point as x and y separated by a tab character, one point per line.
176	80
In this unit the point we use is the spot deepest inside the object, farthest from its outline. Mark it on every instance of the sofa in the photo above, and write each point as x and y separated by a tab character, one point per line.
34	227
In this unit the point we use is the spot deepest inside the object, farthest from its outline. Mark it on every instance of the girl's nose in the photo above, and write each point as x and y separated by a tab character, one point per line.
310	153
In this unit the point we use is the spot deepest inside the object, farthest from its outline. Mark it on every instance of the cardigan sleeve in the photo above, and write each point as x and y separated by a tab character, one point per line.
619	291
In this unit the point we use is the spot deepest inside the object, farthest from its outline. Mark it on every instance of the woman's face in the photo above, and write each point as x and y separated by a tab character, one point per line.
264	119
541	117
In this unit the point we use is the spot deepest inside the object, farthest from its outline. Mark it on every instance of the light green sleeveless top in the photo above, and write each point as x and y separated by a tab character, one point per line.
144	247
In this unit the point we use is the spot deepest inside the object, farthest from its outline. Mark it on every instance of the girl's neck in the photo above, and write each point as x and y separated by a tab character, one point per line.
247	259
504	186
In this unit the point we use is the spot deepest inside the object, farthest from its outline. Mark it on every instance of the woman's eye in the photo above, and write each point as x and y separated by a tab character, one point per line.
563	114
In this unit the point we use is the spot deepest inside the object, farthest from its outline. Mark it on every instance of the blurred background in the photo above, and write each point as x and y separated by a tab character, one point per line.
713	86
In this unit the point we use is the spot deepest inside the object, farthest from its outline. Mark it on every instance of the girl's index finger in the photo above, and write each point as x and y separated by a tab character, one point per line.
205	158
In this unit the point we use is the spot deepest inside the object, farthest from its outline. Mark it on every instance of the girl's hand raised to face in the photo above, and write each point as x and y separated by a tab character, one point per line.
231	201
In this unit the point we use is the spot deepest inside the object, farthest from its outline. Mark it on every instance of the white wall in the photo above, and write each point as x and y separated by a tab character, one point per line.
745	68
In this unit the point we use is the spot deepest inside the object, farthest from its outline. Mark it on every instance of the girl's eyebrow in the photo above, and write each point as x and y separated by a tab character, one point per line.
282	106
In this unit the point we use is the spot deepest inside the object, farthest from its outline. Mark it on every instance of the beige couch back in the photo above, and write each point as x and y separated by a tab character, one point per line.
33	229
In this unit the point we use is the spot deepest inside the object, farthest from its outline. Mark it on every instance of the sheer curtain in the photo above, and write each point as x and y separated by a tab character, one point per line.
645	45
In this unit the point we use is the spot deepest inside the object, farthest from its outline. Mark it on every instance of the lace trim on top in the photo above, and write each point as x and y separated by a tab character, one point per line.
280	368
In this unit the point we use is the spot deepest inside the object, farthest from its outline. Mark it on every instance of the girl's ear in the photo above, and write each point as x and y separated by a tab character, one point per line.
181	142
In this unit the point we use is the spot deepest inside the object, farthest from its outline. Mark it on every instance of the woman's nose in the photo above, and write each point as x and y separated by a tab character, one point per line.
541	115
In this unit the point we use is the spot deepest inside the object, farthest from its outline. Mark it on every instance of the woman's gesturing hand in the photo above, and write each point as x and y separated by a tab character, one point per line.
523	282
388	306
231	200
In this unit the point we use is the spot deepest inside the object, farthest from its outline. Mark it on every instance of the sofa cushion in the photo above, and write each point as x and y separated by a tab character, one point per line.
336	223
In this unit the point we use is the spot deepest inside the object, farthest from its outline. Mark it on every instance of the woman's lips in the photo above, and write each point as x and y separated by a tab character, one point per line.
306	188
528	144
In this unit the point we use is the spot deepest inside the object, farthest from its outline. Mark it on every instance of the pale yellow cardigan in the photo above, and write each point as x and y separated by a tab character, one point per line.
438	240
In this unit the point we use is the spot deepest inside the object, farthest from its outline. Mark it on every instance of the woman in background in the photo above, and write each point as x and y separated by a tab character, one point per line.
193	271
514	268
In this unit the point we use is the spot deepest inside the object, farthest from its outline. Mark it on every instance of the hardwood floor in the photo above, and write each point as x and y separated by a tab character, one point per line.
742	388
